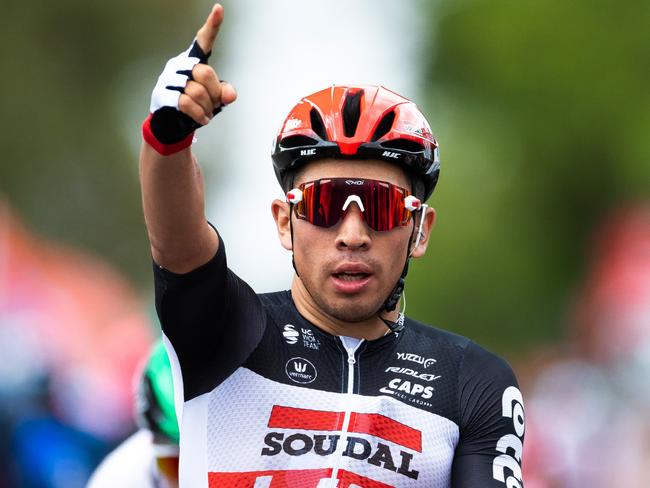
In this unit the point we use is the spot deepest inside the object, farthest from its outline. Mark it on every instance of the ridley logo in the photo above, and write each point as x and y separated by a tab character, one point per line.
412	372
414	358
290	334
354	182
300	370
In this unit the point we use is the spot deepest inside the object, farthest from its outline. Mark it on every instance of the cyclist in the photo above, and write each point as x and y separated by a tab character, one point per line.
326	384
149	458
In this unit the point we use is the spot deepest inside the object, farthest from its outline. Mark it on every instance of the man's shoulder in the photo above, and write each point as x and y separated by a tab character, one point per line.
469	355
275	299
431	334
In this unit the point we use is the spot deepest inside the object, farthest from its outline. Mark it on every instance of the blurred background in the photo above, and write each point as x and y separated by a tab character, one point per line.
541	251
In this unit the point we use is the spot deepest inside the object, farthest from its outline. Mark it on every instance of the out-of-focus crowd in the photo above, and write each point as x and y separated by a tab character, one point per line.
588	399
73	332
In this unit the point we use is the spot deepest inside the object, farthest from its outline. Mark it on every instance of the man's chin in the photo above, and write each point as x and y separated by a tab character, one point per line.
352	311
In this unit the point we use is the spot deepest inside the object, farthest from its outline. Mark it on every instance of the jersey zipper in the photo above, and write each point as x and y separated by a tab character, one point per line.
352	361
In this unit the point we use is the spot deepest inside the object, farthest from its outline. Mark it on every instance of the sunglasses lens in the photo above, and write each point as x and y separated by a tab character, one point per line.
385	206
320	203
323	202
168	467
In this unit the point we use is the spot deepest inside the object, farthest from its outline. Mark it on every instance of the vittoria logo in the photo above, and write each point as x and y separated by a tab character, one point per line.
300	370
414	358
512	406
290	334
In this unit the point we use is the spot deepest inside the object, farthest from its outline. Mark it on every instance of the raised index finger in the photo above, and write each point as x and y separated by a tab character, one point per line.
208	32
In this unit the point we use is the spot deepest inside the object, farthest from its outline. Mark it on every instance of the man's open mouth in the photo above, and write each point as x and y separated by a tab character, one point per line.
345	276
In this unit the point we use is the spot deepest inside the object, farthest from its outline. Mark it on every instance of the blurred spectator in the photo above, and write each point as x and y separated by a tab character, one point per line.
589	412
71	334
149	458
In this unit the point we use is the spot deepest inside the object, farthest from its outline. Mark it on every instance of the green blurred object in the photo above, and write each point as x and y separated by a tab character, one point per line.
542	110
155	402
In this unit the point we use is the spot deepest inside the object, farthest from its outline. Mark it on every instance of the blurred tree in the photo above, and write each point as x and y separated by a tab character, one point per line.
543	113
66	166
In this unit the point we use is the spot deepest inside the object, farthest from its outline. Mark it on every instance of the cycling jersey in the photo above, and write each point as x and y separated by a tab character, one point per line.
267	399
130	465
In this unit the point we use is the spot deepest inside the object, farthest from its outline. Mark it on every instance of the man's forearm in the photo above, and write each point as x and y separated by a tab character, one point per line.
174	210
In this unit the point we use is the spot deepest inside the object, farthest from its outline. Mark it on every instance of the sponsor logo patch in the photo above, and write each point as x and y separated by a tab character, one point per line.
412	372
309	340
300	370
393	445
410	391
415	358
506	468
290	334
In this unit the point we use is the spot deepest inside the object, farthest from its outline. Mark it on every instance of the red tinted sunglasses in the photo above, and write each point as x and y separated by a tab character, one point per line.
323	202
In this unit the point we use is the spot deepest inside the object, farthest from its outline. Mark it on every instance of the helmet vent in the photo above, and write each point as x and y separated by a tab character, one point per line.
297	141
352	113
384	126
317	124
403	145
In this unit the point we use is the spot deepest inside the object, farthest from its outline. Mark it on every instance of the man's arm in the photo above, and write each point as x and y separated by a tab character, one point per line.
171	180
491	413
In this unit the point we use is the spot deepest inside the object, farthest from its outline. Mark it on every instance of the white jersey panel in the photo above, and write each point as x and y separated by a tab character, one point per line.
130	465
177	379
270	428
193	462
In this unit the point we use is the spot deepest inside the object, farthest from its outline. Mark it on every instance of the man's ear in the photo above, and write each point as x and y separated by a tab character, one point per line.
429	219
281	214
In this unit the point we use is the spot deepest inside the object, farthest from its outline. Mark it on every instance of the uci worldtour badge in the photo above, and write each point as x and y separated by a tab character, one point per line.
300	370
290	334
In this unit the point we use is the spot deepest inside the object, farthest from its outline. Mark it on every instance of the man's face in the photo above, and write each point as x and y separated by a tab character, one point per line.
350	269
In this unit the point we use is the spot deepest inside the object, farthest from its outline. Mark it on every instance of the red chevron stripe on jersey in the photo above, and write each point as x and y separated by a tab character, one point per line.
360	423
300	478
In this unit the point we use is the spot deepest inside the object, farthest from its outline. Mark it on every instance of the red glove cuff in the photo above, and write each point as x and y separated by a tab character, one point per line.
164	149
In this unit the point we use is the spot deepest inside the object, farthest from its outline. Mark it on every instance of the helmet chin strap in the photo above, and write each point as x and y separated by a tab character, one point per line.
293	260
395	295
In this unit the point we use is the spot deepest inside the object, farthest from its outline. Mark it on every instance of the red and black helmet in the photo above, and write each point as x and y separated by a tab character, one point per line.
358	122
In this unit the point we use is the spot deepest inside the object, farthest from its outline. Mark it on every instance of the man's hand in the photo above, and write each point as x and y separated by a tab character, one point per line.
188	92
204	92
186	96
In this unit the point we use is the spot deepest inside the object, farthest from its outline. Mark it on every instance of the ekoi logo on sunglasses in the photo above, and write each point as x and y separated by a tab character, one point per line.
354	182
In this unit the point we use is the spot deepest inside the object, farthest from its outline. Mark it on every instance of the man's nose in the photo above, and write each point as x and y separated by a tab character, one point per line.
353	233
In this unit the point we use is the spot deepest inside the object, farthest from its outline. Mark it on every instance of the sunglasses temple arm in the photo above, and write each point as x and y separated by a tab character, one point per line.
420	234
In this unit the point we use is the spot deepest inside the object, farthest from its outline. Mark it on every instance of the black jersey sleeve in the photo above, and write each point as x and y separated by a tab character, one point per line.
491	414
212	319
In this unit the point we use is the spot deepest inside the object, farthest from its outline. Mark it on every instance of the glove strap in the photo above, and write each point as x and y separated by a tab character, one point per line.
160	147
